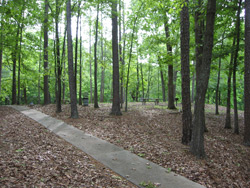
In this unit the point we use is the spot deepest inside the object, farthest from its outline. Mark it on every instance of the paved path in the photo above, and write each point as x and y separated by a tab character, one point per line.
123	162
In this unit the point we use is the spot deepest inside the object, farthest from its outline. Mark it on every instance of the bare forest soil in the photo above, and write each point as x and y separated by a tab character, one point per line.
31	156
154	132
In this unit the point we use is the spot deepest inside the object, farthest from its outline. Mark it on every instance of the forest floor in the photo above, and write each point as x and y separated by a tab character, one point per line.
154	132
31	156
28	150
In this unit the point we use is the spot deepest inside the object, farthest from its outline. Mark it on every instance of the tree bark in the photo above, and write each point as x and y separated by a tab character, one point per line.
246	140
236	123
185	75
73	99
203	73
116	97
95	71
46	68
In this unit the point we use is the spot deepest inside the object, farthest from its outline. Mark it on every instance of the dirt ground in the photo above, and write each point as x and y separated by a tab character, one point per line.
154	132
31	156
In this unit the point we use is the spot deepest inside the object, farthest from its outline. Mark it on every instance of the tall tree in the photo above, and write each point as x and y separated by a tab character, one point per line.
129	61
116	98
203	73
1	45
58	62
19	60
236	123
247	75
170	68
90	58
80	73
228	112
185	75
218	80
45	51
76	45
14	59
95	54
73	99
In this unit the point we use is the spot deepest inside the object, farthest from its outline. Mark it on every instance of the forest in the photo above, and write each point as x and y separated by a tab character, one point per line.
120	51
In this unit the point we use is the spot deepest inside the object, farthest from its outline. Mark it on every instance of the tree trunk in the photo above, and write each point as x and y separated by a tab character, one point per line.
218	81
193	85
116	98
73	99
162	82
95	71
80	74
19	67
138	80
39	71
14	58
129	62
58	63
171	104
1	46
63	62
228	113
90	61
46	68
76	45
203	73
246	140
142	83
185	75
102	67
236	123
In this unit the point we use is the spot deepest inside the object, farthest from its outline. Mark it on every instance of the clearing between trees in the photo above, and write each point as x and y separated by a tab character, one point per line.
154	132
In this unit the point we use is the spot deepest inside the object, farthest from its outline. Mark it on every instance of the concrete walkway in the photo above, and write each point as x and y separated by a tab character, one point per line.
128	165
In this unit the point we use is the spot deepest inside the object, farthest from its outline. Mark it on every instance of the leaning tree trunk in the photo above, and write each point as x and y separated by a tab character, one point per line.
246	140
185	75
116	98
73	99
203	73
236	123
